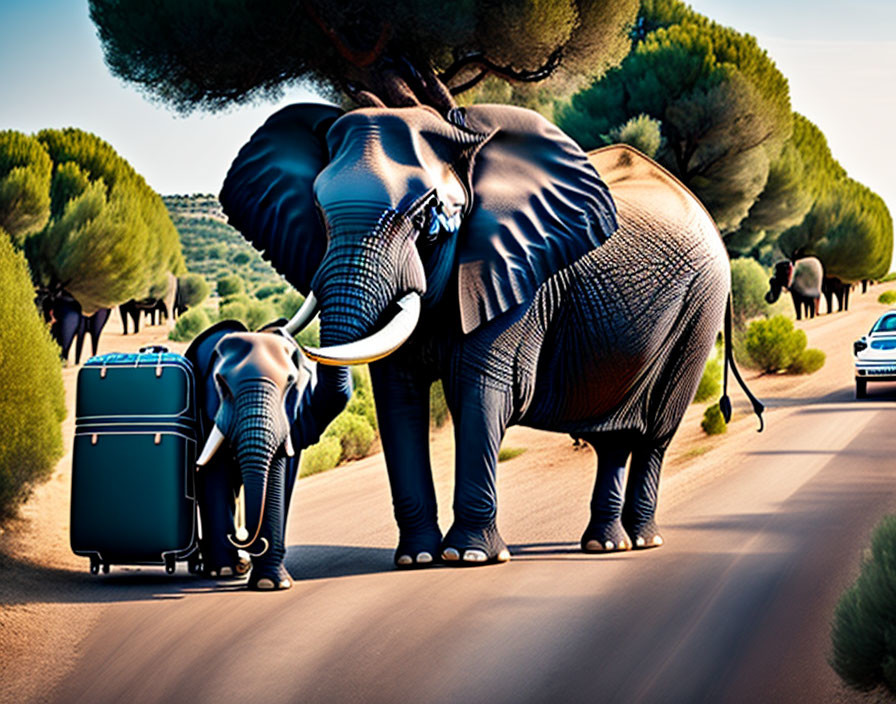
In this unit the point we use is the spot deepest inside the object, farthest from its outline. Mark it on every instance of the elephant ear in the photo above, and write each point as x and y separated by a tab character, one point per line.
202	356
537	206
268	192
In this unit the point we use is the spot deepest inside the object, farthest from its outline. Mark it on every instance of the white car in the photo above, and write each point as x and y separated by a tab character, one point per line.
875	354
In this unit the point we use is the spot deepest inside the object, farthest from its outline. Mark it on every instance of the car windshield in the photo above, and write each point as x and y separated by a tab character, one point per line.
886	324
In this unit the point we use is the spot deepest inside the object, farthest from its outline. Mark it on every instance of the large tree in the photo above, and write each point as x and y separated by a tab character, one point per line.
25	170
109	237
190	53
722	105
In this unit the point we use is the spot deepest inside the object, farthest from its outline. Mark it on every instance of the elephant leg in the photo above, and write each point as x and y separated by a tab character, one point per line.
404	433
798	305
605	532
480	415
642	491
67	322
97	323
216	488
79	338
268	571
124	319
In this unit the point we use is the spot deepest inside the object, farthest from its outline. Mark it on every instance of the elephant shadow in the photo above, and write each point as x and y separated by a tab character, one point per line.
307	562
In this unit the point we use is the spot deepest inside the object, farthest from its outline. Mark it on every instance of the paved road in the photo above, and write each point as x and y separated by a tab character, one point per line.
735	607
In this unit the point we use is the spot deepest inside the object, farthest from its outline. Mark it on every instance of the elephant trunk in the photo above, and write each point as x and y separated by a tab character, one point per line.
361	275
261	430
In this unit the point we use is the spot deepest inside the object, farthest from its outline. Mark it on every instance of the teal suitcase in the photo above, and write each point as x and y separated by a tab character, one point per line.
132	499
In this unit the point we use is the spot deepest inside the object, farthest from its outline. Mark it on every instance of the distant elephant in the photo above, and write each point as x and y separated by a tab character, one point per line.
831	286
256	392
803	279
157	309
69	324
483	249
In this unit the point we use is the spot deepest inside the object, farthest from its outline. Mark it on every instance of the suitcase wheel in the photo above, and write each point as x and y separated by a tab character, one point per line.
94	566
105	568
194	565
170	564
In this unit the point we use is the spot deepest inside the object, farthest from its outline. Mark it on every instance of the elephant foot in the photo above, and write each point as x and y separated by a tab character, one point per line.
606	536
474	546
418	548
265	579
237	570
645	535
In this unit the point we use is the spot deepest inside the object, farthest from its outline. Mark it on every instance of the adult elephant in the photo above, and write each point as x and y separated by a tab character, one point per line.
68	324
256	392
158	309
832	287
803	279
475	249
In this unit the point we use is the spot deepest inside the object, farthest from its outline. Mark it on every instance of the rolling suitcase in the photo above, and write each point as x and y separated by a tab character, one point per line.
133	461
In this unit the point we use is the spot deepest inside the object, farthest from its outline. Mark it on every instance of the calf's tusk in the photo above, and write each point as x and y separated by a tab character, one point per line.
375	346
215	438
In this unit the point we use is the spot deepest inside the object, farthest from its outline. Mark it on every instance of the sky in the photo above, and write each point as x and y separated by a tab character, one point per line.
839	58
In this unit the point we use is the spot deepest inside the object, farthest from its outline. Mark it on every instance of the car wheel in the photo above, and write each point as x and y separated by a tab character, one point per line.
861	388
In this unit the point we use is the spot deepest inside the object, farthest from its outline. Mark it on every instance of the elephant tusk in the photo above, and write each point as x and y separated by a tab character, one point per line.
215	438
375	346
305	315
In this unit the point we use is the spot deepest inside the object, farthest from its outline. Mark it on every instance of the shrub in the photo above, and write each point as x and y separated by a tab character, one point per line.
193	289
749	284
864	650
508	453
354	433
438	406
189	325
713	423
362	403
230	285
888	298
32	404
773	344
269	290
807	362
233	309
711	381
240	258
321	456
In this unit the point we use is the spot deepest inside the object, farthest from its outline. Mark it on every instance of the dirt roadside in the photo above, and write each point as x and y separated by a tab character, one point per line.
47	600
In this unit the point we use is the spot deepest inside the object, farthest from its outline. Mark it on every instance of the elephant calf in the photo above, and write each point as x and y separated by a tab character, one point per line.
259	402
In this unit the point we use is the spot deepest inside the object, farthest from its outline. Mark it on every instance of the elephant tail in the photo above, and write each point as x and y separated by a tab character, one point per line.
725	401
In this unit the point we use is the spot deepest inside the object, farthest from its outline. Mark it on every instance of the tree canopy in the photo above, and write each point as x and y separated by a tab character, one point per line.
722	106
109	237
190	53
25	170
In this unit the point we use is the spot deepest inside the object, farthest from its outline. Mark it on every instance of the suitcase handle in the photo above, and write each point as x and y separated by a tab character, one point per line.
153	349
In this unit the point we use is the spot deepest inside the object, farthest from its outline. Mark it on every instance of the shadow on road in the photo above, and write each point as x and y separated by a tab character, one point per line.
306	562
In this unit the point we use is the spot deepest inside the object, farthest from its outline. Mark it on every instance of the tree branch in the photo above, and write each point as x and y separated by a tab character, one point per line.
480	61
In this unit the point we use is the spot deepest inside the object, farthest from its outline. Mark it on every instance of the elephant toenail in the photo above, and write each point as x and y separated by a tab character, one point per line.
609	545
475	556
640	542
504	555
450	554
265	583
592	545
404	560
424	558
226	572
657	540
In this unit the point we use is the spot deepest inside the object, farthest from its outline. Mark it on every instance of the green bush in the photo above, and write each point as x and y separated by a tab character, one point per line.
320	457
713	422
888	298
240	258
508	453
32	404
889	277
711	382
189	325
355	434
864	650
193	289
807	362
230	285
269	290
773	344
362	402
438	406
